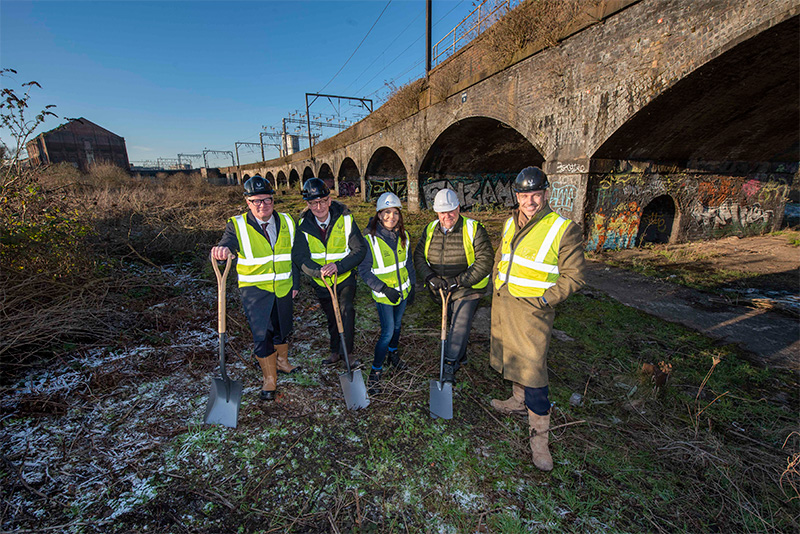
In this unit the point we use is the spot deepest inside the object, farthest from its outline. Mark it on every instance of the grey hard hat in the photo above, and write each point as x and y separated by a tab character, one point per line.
531	179
445	200
388	200
315	188
258	186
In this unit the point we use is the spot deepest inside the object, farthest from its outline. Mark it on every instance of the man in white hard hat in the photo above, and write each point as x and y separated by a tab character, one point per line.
456	255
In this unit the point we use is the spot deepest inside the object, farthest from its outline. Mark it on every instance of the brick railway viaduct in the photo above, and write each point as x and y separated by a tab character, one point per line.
656	120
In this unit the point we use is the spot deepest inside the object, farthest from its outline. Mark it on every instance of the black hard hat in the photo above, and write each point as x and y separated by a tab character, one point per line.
315	188
258	186
531	179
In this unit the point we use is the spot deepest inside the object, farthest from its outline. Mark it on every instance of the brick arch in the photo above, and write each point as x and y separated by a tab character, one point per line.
738	104
281	178
271	178
326	174
478	157
386	172
308	172
349	178
294	179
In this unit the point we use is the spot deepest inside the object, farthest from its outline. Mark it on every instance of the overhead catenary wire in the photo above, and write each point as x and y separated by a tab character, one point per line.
359	46
401	54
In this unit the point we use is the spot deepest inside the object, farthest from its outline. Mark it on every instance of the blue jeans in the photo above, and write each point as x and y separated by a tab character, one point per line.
390	317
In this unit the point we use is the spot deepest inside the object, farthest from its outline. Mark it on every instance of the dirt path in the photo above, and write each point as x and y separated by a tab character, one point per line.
772	337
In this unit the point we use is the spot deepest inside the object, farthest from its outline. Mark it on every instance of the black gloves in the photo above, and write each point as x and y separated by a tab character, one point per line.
392	294
436	283
451	284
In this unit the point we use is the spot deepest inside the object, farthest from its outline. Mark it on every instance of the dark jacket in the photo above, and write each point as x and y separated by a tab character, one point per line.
391	238
258	303
301	255
447	258
230	240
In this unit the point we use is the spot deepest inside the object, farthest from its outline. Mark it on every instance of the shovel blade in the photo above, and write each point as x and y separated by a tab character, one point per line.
441	403
354	389
223	403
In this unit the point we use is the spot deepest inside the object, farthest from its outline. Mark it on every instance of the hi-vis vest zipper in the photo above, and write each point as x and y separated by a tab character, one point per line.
468	234
338	246
532	266
384	267
259	264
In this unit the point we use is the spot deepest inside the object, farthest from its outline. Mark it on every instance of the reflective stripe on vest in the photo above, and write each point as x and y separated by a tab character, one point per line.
337	248
468	235
532	266
384	267
258	264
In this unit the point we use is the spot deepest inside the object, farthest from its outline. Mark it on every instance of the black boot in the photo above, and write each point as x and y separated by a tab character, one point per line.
373	382
395	361
449	373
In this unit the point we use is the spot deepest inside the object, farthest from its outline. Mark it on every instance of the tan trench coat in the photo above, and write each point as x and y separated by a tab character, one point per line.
521	327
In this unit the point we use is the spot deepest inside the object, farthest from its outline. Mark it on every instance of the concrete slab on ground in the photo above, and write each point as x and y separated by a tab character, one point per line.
772	337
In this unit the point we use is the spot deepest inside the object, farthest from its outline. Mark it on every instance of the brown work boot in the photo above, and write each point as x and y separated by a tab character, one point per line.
269	368
540	436
332	359
515	404
284	367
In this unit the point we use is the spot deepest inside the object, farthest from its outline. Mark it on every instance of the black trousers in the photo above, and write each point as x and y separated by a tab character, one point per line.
461	313
347	294
269	317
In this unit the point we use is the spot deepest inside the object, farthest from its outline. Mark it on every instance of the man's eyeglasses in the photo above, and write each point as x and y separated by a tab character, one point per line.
260	201
317	203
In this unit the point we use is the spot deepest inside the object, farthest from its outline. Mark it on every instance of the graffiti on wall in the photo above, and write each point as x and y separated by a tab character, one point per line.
716	205
496	189
378	186
731	217
486	189
348	189
616	228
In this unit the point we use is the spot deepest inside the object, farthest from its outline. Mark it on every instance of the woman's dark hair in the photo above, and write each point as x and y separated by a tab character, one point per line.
372	227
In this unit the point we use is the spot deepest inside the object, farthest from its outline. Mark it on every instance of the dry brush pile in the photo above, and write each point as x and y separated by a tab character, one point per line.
66	235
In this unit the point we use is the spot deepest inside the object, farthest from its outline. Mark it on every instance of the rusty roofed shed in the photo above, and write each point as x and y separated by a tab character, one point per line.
80	142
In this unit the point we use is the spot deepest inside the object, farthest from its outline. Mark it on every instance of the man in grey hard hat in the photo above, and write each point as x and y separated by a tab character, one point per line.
455	254
539	264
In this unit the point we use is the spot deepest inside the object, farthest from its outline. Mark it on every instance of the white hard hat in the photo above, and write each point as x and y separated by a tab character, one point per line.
388	200
445	200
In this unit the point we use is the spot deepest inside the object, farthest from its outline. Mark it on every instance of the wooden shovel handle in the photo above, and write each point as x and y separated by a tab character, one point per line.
333	290
221	279
445	302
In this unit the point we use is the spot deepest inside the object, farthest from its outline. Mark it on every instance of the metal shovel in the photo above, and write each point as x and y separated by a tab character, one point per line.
226	394
353	387
441	403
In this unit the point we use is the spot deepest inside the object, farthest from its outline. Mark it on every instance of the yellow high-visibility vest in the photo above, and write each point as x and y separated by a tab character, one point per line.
384	267
468	233
258	263
337	248
532	266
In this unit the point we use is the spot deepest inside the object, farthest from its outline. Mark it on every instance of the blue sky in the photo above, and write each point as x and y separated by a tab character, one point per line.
182	76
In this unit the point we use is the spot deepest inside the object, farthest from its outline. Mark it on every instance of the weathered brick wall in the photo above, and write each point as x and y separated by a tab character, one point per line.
570	99
708	205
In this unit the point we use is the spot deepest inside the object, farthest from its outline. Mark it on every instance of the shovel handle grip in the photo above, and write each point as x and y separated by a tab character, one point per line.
221	279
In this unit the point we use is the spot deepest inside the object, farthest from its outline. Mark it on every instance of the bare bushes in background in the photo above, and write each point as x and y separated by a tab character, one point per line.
69	240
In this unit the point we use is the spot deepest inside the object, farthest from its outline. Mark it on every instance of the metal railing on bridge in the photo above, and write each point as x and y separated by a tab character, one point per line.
470	27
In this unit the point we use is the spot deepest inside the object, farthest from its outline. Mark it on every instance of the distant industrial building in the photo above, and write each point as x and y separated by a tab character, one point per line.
80	142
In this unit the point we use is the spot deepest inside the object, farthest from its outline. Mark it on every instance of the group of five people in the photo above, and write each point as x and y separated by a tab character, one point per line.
539	264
